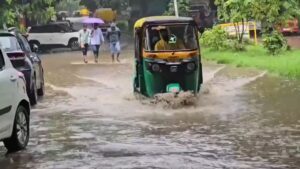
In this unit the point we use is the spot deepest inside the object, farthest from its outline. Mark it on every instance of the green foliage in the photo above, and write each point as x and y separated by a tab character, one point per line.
270	12
68	5
92	5
7	13
235	11
275	42
39	10
123	26
285	64
216	38
274	12
183	8
237	45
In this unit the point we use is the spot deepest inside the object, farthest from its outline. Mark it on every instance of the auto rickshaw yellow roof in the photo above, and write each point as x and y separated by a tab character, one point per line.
139	23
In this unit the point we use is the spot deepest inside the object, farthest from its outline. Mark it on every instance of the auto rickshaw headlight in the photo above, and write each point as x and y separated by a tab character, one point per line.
191	66
155	68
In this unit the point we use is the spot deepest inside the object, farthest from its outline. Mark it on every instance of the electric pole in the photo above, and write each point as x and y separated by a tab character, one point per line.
176	8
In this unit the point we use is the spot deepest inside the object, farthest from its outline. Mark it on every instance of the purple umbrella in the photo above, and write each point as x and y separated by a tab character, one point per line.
93	21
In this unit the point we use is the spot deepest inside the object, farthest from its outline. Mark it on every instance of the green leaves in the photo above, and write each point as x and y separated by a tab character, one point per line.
215	38
275	42
40	11
183	8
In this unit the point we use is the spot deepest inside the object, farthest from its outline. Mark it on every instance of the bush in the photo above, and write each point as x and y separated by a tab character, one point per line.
216	38
236	45
275	42
123	26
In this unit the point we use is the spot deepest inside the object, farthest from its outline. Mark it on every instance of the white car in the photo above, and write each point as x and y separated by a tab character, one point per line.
14	106
53	35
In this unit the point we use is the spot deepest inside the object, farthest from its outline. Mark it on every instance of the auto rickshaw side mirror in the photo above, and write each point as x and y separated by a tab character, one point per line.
200	29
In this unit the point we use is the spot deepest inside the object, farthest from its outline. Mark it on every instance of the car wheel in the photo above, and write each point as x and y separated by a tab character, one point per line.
20	135
41	91
33	94
74	45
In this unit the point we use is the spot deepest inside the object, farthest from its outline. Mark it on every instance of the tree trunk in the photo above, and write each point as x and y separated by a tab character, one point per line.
243	31
236	30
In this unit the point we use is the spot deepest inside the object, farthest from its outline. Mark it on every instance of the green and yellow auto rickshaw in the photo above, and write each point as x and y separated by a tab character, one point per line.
167	56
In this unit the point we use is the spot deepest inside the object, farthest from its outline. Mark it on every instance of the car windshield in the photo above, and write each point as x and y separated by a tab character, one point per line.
9	43
171	38
76	26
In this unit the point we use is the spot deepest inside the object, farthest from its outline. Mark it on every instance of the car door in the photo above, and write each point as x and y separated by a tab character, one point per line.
57	35
40	34
35	60
7	87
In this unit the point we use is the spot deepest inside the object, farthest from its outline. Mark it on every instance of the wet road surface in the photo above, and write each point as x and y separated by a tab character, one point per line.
89	119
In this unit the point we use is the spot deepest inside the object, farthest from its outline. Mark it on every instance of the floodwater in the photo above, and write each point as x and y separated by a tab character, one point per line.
90	119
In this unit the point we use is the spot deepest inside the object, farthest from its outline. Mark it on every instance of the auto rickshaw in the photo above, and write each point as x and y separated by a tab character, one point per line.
167	56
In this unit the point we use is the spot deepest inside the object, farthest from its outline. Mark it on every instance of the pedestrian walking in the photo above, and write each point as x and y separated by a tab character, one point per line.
84	35
96	41
113	36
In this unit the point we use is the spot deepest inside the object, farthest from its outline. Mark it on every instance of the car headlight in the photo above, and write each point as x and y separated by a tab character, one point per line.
155	67
191	66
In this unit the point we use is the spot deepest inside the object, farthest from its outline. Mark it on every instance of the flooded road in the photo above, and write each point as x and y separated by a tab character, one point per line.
90	119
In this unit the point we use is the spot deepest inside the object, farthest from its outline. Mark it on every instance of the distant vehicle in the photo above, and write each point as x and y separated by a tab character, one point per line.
14	106
107	15
53	35
26	61
289	27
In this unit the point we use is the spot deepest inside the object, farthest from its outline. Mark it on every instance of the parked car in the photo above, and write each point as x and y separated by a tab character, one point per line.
14	106
76	22
26	61
66	23
53	35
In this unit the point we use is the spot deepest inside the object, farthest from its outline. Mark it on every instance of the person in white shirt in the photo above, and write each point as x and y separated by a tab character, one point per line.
84	41
96	41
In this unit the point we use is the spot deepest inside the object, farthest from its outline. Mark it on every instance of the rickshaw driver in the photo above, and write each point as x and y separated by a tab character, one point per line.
163	44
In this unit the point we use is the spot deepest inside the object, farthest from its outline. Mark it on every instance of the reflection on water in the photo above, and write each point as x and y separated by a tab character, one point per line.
90	119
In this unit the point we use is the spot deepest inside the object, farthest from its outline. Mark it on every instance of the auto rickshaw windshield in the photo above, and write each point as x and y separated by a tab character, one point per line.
171	38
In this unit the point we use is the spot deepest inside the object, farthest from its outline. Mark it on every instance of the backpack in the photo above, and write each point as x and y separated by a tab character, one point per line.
113	35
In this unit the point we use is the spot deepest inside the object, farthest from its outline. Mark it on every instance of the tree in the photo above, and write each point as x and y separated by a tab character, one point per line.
92	5
274	12
237	12
41	11
68	5
183	8
7	12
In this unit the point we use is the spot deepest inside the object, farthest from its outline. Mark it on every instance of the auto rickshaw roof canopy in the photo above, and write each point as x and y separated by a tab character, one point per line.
161	19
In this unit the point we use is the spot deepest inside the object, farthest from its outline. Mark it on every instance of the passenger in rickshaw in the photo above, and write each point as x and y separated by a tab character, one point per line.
177	33
168	42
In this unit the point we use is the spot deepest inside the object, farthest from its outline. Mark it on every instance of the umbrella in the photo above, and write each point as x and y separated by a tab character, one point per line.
93	21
